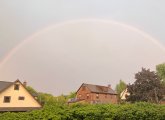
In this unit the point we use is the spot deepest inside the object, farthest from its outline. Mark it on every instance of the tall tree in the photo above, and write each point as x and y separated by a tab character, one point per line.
120	87
160	69
147	87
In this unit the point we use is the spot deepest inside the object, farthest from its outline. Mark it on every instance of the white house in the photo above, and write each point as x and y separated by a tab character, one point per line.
124	94
15	97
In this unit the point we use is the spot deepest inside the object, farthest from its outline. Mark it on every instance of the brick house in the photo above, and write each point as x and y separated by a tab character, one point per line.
96	94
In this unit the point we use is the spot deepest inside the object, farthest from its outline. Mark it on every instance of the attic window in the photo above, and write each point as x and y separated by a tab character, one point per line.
16	87
7	99
21	98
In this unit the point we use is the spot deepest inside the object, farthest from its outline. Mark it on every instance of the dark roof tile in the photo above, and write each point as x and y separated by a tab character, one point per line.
99	89
4	85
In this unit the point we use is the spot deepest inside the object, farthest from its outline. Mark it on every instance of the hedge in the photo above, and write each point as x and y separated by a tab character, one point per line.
55	111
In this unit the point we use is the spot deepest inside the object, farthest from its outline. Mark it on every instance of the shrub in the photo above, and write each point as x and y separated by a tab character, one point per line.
55	111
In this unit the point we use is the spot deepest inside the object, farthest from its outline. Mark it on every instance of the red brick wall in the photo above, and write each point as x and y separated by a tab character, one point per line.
85	93
104	98
162	102
82	93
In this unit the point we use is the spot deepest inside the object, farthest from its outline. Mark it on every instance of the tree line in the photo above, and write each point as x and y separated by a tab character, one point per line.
149	86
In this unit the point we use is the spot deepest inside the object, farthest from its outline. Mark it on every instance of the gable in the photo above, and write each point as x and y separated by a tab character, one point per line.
28	101
81	88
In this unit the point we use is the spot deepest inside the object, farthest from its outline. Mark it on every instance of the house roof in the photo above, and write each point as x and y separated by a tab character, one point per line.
99	89
4	85
73	100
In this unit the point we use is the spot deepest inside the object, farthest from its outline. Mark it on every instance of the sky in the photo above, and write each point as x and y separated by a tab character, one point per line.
57	45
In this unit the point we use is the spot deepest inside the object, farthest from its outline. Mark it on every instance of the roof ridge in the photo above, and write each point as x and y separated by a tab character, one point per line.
100	89
95	85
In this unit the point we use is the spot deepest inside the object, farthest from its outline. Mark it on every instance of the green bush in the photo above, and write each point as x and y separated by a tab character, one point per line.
58	111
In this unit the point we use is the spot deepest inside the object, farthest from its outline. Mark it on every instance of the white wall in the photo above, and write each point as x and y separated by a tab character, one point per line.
29	101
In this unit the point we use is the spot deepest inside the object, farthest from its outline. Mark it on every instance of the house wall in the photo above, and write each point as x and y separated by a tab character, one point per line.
92	97
104	98
124	94
162	102
82	94
29	101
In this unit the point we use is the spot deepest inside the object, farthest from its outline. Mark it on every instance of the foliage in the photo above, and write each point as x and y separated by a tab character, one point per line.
71	95
42	97
147	87
56	111
160	69
45	97
31	90
62	99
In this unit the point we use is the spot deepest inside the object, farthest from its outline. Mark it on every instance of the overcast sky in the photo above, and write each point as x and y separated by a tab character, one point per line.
63	55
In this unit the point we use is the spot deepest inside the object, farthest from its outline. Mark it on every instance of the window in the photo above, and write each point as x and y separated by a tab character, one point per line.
126	95
79	96
97	96
7	99
16	87
105	95
111	96
21	98
87	96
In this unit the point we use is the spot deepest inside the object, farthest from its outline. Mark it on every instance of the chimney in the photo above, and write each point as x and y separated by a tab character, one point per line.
109	85
24	83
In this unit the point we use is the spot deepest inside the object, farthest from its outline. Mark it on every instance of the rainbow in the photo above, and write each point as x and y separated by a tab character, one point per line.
129	27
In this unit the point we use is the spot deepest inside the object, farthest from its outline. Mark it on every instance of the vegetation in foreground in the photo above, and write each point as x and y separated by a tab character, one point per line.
59	111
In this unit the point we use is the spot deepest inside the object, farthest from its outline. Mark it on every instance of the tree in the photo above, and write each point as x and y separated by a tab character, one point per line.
41	97
147	87
31	90
71	95
45	97
160	69
120	87
62	99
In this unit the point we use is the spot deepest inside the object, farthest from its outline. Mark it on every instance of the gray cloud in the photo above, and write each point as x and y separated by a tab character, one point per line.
60	59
